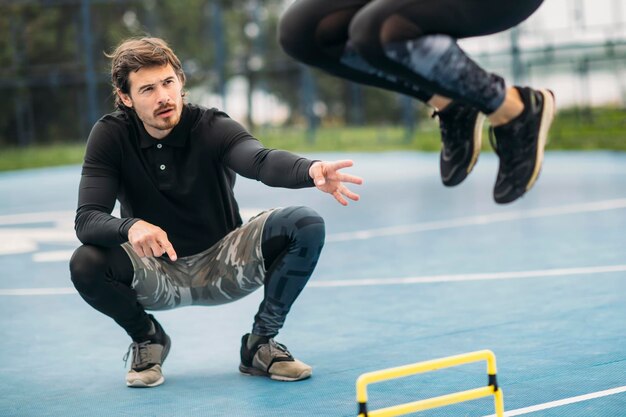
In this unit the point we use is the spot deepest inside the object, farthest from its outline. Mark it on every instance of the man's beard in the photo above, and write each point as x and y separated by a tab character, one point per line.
169	122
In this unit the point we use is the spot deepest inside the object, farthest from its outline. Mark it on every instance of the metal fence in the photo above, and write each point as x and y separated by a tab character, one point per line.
54	75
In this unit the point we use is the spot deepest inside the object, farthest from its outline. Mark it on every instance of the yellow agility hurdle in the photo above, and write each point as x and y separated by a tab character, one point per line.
401	371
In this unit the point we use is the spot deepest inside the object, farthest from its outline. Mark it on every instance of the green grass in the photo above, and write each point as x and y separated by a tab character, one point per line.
40	156
353	139
589	129
573	129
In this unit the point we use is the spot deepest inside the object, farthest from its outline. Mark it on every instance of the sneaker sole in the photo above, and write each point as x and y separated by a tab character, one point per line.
547	116
478	140
138	383
251	371
141	384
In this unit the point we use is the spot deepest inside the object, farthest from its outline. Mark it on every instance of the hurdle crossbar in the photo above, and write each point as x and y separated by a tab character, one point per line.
402	371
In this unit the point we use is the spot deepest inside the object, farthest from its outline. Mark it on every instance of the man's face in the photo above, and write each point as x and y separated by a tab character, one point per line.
156	96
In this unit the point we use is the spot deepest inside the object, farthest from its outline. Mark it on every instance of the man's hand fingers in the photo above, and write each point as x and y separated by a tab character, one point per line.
165	247
156	249
138	250
344	163
340	198
350	178
169	249
327	178
352	196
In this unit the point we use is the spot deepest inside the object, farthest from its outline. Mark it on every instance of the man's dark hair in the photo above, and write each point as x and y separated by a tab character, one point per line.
133	54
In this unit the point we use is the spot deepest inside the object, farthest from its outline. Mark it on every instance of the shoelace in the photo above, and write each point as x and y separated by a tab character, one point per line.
140	352
274	345
454	119
442	123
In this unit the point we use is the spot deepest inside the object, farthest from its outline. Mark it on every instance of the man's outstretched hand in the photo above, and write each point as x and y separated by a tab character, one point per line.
327	178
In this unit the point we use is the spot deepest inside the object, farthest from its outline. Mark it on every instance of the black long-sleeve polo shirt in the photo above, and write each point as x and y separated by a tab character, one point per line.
182	183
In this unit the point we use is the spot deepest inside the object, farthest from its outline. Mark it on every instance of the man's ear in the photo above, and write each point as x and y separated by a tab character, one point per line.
128	102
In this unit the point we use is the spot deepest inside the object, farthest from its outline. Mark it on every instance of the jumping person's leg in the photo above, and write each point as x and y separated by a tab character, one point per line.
416	40
292	241
410	47
103	278
315	32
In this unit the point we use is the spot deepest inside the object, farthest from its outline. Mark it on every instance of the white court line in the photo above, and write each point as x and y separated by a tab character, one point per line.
392	281
68	235
41	217
478	220
53	256
559	403
469	277
38	291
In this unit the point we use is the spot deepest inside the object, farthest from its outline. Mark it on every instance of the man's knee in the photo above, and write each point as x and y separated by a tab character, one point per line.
312	222
87	267
308	225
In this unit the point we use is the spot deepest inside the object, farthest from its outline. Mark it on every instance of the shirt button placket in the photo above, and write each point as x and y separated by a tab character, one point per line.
162	166
163	159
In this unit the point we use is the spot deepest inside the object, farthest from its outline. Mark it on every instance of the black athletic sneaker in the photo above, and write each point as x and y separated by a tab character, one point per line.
148	356
461	135
520	144
271	359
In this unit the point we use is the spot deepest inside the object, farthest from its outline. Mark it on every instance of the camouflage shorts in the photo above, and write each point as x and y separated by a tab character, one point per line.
227	271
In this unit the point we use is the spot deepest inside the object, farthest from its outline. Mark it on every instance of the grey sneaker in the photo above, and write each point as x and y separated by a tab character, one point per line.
271	359
148	356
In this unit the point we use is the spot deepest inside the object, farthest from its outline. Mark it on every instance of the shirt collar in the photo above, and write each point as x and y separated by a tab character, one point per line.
177	137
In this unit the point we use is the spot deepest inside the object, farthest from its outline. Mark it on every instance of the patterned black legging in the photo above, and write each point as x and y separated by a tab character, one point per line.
291	244
407	46
293	239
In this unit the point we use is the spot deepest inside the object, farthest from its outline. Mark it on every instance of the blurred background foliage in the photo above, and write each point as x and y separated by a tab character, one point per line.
54	78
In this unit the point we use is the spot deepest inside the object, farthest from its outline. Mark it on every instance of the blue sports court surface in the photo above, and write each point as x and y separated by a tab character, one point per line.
414	271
